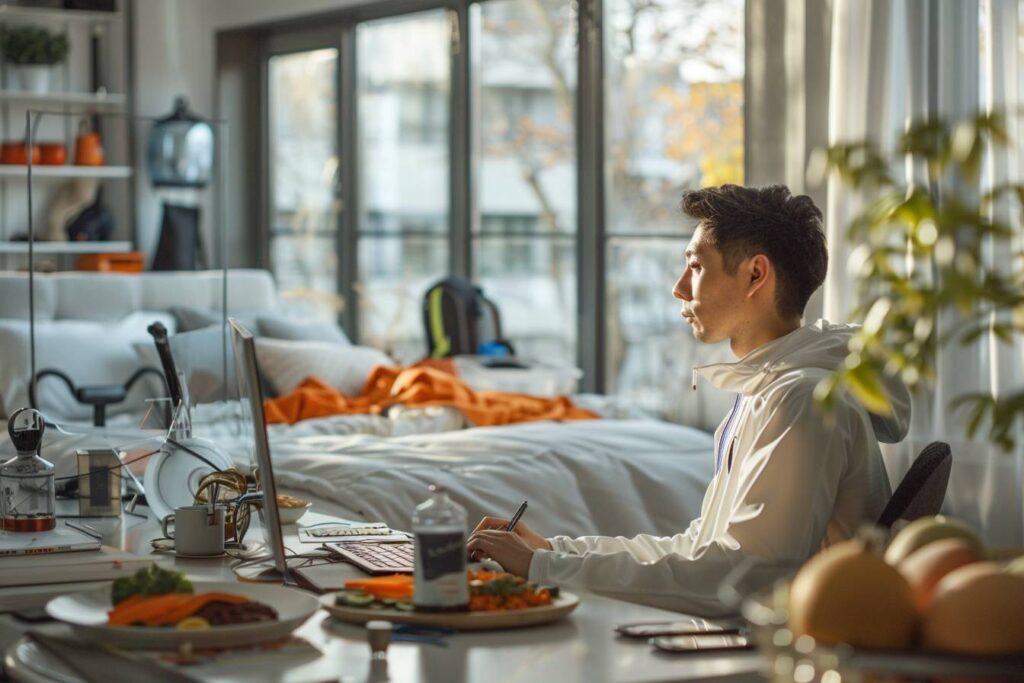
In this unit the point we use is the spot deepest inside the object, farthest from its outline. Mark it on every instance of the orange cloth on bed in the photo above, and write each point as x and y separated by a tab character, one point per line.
419	386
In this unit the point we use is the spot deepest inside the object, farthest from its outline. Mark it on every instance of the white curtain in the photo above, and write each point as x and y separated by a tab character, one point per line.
893	61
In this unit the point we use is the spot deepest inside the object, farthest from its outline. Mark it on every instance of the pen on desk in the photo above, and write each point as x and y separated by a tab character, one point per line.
511	526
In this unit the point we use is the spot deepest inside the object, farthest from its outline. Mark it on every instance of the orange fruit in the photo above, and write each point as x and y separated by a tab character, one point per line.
977	610
848	594
926	566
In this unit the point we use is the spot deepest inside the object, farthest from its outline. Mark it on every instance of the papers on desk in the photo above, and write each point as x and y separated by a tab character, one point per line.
102	564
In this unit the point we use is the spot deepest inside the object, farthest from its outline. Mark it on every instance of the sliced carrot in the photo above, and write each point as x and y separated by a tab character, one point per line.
142	610
166	610
398	586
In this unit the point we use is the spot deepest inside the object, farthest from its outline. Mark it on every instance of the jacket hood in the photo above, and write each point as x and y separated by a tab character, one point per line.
821	345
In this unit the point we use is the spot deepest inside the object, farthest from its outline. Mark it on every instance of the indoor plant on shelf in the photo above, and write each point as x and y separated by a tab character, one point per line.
935	263
30	52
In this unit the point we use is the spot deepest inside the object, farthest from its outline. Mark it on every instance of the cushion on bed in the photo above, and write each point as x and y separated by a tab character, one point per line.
190	318
278	326
199	354
287	363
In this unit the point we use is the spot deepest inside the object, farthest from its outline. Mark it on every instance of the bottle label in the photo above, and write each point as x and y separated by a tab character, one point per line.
441	569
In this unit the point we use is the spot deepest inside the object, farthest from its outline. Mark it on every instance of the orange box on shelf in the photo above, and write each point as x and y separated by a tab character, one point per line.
120	262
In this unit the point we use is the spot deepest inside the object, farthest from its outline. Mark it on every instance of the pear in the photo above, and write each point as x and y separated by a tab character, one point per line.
925	530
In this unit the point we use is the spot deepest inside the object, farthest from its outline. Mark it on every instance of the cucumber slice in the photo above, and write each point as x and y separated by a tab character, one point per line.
404	606
354	599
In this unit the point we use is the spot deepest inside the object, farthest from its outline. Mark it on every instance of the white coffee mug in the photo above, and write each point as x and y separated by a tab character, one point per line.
196	531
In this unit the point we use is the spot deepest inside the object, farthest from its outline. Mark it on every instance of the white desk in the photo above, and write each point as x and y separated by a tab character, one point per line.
581	648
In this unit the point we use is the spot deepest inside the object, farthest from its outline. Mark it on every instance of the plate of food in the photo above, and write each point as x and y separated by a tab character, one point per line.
496	600
161	609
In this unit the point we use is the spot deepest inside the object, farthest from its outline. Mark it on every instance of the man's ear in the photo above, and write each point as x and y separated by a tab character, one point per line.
758	268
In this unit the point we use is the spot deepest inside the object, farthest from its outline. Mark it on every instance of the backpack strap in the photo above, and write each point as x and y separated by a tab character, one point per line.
435	320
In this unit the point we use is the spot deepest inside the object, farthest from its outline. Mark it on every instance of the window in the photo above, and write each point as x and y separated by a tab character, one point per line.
302	96
403	89
524	247
674	123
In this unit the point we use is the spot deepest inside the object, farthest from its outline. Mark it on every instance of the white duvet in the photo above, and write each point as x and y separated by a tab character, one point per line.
614	477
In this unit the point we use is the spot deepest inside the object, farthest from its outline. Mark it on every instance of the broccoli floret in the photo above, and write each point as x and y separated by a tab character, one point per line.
150	581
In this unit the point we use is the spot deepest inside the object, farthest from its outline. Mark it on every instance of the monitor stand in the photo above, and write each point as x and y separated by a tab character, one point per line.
264	572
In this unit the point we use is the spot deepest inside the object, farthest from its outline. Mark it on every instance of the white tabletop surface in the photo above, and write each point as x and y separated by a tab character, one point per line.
580	648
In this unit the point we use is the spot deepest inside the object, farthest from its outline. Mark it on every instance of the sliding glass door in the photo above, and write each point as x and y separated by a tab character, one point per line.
302	97
403	88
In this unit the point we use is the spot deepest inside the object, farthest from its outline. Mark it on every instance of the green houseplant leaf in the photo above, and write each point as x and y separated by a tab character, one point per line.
920	257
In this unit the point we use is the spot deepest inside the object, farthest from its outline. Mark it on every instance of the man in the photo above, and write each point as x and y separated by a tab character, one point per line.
788	479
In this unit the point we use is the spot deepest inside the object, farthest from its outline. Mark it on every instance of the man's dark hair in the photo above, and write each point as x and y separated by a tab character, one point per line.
745	221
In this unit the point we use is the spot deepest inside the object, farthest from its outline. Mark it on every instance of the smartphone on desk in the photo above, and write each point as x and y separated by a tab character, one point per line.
679	627
708	642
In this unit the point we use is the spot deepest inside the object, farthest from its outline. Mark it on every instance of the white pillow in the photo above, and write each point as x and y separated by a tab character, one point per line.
287	363
88	352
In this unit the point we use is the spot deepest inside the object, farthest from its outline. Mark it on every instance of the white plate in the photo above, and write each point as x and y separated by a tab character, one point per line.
87	615
565	603
172	476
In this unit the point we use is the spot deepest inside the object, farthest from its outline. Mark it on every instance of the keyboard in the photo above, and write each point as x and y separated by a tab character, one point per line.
376	558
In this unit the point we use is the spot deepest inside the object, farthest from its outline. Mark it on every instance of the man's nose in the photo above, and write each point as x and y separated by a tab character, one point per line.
682	288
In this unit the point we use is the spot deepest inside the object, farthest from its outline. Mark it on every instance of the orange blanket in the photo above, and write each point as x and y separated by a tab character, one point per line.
419	386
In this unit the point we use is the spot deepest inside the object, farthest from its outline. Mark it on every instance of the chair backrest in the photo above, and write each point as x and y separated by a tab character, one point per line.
923	488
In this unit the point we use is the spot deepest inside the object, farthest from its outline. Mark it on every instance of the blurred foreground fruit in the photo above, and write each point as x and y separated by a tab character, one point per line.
927	530
926	566
848	594
977	609
1017	566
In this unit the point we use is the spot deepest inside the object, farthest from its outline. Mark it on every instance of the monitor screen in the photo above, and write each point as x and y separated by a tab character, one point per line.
254	432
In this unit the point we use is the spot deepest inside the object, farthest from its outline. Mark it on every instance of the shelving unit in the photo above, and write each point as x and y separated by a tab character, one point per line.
91	85
43	15
44	172
98	101
66	247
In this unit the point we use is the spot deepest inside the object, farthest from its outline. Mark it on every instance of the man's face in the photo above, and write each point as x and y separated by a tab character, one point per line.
713	300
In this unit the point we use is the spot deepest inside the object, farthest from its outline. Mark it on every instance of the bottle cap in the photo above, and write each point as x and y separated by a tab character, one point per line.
378	635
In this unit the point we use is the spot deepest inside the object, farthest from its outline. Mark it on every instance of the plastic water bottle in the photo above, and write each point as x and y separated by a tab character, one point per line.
439	525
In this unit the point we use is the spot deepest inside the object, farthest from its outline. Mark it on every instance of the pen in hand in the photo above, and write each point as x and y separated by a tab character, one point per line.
510	527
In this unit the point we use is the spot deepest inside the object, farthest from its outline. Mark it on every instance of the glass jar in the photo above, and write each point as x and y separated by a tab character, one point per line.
27	494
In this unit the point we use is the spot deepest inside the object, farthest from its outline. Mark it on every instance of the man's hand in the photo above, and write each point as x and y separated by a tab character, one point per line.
531	538
504	547
512	550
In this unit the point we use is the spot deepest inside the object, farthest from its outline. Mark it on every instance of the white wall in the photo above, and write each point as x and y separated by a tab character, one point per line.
175	53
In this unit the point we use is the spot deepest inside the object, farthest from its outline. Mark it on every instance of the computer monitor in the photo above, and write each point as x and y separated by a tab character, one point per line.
253	421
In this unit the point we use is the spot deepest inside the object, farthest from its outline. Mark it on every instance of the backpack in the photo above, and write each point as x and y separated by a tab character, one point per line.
458	319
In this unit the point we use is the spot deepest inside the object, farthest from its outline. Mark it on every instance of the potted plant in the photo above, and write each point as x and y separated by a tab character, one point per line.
921	260
30	51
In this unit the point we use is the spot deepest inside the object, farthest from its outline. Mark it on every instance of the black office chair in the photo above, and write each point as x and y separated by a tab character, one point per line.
923	488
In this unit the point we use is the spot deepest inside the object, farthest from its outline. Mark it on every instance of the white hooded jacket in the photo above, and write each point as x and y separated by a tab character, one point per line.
791	481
